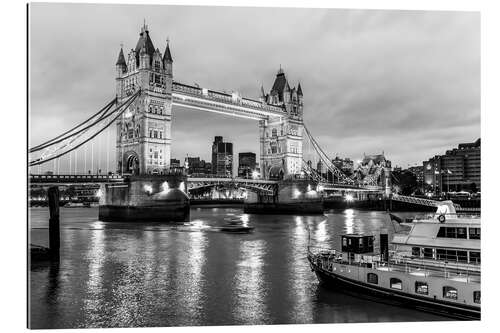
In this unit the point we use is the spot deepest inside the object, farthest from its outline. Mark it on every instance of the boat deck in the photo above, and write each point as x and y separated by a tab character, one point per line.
427	268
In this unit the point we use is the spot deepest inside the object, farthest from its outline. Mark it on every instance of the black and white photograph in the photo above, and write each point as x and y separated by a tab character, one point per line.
204	165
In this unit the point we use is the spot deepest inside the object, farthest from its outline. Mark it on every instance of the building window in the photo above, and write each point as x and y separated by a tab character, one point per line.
150	133
274	132
477	297
421	288
150	108
396	284
372	278
161	134
474	233
450	292
155	134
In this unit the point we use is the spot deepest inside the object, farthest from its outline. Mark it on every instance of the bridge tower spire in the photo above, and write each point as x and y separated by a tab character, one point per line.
143	140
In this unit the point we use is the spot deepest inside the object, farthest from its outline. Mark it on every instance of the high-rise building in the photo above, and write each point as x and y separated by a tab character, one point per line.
222	158
247	163
197	166
458	169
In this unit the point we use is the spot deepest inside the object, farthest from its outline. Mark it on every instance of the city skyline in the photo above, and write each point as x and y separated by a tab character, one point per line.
406	83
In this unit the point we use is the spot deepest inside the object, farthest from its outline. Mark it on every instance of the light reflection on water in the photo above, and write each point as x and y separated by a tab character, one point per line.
301	306
189	268
119	274
249	284
93	303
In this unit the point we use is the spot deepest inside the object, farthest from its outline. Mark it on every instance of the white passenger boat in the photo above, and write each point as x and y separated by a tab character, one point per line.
435	265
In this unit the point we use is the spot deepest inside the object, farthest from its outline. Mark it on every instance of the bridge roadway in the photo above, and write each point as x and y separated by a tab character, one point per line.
193	182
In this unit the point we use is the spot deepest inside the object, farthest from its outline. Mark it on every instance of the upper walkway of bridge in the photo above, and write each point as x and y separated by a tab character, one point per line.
221	102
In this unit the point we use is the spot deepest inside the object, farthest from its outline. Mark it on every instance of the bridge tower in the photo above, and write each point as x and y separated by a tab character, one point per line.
281	136
143	137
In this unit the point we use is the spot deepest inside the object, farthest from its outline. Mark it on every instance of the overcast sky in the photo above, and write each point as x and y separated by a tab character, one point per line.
406	83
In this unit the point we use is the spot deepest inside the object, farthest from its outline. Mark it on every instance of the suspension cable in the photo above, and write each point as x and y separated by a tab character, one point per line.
324	157
47	143
124	106
105	114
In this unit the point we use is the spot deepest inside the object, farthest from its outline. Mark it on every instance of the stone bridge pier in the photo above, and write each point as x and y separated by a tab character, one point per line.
289	197
151	198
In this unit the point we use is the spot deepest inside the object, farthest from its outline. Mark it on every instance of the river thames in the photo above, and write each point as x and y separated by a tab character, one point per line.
136	275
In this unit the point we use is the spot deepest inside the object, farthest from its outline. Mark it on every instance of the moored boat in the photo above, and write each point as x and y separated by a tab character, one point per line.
435	266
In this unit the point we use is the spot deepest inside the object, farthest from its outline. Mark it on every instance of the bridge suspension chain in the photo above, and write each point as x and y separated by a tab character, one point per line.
68	133
59	151
327	161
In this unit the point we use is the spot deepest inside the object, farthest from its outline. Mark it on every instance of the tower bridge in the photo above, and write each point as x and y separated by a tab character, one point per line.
141	113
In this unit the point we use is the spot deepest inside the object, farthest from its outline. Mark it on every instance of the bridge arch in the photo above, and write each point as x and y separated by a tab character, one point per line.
131	162
276	172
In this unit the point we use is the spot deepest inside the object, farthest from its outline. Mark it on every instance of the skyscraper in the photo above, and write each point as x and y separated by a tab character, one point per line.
222	157
246	164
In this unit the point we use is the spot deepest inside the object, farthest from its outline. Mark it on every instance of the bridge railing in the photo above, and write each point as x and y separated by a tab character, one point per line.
74	178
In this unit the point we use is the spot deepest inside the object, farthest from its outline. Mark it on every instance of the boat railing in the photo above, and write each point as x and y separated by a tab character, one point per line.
434	216
326	258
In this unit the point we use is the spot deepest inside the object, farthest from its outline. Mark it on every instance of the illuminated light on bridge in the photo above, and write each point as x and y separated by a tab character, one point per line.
349	198
148	189
165	188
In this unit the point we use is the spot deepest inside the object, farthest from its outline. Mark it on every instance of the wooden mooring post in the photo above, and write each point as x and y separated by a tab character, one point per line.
54	232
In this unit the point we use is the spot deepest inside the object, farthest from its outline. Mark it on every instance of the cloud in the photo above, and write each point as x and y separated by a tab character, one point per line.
403	82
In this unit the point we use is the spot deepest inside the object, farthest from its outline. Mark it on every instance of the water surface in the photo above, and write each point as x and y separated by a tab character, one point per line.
125	274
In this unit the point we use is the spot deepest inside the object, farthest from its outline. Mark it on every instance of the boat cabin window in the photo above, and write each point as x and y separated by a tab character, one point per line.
451	255
474	233
451	232
415	251
475	257
477	297
396	283
421	288
372	278
428	252
450	292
